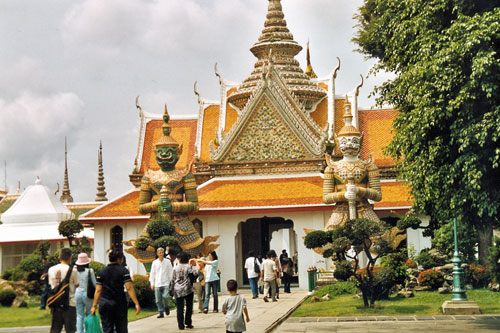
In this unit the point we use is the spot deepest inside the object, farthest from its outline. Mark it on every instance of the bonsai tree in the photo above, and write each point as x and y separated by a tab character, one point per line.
69	229
346	244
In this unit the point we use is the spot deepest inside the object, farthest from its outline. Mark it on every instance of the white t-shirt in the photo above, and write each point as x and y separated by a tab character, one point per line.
57	274
249	266
269	267
234	305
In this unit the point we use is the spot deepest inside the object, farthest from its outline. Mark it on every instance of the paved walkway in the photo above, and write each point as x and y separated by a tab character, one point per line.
265	317
262	315
382	324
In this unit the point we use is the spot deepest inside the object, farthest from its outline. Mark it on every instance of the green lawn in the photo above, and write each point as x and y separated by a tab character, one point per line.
424	303
32	316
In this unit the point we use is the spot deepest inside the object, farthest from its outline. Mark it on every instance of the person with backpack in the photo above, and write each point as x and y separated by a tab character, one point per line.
85	292
253	268
63	280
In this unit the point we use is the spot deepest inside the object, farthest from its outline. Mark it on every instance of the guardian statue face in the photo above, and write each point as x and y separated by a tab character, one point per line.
350	145
167	157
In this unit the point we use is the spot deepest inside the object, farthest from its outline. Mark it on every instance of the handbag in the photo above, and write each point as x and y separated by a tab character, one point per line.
92	324
192	277
256	266
90	287
59	296
171	287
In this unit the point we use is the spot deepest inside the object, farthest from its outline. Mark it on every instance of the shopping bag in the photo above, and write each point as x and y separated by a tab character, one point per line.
92	324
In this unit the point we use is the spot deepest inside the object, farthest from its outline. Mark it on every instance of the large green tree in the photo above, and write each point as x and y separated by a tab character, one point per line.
446	61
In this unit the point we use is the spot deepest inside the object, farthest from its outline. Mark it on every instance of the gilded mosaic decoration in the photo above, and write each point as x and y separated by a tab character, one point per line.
266	137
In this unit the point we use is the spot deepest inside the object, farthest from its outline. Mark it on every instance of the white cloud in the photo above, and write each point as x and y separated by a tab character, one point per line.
110	25
32	124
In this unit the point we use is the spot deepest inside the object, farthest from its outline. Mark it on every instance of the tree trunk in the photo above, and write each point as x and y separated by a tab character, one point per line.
485	240
364	291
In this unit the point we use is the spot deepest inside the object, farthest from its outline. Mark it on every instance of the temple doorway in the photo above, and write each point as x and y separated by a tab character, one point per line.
261	235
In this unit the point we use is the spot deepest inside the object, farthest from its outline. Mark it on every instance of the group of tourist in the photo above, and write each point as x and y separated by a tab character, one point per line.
174	275
109	293
269	274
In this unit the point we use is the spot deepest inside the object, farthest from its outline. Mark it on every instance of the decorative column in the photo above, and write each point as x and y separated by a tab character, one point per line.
458	272
459	305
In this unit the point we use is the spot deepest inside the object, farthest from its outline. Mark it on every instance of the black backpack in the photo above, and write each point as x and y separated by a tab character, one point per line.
256	266
59	296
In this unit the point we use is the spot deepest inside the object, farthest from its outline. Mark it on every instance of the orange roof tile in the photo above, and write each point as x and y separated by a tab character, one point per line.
124	206
320	115
183	131
299	191
394	194
377	127
210	124
231	117
267	193
241	193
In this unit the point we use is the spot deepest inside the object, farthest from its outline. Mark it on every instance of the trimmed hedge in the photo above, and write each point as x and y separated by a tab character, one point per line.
7	296
145	295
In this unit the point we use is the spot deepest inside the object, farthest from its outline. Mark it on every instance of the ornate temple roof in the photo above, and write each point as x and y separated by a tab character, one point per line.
276	44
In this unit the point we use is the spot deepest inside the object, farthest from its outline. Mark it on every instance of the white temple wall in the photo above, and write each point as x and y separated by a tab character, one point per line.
416	237
229	252
102	242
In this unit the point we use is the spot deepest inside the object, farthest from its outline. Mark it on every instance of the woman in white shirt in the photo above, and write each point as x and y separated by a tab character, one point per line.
211	279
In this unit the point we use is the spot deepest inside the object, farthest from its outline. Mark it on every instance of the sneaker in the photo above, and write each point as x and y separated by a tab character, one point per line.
205	310
160	315
254	297
265	299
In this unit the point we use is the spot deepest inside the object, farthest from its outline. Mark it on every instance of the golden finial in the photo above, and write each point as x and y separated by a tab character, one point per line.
309	69
166	140
348	129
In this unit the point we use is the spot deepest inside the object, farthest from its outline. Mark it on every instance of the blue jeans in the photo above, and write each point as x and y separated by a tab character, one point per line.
161	296
45	295
253	285
209	288
83	305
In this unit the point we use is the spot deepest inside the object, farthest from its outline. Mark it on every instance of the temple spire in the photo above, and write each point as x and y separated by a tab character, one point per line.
101	193
66	194
309	69
277	37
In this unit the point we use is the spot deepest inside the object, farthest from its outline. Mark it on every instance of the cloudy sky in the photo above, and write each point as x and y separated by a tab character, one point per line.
74	67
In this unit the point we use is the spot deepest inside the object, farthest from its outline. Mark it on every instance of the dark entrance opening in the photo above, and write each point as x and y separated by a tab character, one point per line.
256	234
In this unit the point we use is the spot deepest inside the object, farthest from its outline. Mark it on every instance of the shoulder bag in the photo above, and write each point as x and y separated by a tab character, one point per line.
256	266
90	286
59	296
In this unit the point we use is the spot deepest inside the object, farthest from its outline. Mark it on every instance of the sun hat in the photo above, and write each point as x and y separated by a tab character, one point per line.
83	259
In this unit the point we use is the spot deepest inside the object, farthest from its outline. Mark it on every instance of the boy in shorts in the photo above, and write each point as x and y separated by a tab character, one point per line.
234	307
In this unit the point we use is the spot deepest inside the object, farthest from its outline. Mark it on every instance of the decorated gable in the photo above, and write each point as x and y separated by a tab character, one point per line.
272	127
266	137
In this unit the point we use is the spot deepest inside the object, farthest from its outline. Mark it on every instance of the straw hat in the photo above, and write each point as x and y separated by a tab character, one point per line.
83	259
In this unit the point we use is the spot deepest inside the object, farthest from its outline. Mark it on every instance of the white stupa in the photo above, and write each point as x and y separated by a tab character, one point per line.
35	216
